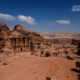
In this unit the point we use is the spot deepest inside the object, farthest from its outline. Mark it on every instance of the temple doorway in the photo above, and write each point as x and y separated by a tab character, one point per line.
31	46
0	30
21	49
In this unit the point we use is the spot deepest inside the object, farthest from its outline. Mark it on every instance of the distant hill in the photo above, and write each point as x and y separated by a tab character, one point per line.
60	35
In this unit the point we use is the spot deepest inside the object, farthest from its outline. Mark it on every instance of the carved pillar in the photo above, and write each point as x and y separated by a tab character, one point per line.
21	41
26	41
29	41
13	41
17	41
29	44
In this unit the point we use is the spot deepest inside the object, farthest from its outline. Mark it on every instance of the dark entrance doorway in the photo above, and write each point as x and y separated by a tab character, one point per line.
21	49
31	46
0	30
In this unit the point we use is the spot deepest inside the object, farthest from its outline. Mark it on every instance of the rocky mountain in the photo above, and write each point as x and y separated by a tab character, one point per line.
4	34
37	40
5	30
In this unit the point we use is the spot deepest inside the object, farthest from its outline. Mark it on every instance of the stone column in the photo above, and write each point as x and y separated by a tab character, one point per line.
26	42
17	41
13	42
21	41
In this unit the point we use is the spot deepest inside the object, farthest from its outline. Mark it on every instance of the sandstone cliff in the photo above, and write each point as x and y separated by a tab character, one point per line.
4	34
18	31
37	39
74	46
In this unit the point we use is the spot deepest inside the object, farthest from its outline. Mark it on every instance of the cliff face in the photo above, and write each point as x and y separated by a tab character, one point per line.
37	39
21	29
74	46
4	29
3	26
4	34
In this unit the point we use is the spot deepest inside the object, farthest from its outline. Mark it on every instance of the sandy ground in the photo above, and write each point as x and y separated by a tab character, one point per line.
29	67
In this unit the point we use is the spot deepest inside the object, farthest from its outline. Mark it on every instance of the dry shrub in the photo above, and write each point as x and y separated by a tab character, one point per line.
42	52
69	57
4	63
54	53
77	64
47	54
31	53
48	78
66	52
78	76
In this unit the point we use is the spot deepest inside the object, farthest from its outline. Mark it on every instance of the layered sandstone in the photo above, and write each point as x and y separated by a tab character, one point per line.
73	46
4	34
36	39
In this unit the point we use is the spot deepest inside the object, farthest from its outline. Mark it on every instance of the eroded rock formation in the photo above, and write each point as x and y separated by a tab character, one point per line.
4	34
20	39
37	40
74	46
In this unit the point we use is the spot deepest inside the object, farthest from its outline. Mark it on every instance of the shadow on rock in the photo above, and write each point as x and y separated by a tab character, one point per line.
75	70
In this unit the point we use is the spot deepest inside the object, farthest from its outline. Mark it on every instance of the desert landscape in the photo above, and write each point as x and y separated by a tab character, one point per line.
39	39
27	55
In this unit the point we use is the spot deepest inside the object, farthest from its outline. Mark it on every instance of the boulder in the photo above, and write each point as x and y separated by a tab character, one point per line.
71	57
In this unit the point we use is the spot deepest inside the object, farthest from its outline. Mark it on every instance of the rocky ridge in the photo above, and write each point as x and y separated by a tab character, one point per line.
37	40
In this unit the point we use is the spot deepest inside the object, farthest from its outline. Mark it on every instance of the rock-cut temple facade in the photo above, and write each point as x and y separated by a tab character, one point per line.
20	39
21	43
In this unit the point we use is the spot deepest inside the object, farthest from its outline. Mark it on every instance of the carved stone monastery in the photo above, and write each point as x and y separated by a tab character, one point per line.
20	39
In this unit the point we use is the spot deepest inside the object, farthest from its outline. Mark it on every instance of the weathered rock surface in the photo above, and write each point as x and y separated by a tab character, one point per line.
74	46
8	48
59	40
4	34
5	30
37	39
19	31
